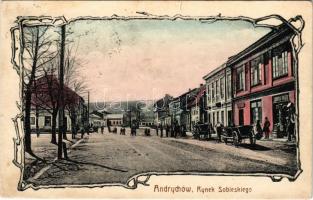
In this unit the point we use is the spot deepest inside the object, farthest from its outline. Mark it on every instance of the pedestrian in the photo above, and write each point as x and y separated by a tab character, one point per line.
82	132
102	129
167	129
176	129
291	122
109	126
183	131
218	128
161	129
133	129
157	130
266	128
210	130
258	130
87	129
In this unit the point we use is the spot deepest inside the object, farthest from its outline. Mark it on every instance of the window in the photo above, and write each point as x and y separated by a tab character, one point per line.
217	117
256	67
228	86
209	93
240	78
217	87
281	98
32	120
222	87
256	111
222	117
280	62
213	92
47	120
213	119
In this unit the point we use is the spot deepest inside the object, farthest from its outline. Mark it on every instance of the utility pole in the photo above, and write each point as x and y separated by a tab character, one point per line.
61	94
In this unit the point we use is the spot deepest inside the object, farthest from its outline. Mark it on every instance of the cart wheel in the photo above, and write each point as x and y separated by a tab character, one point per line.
235	139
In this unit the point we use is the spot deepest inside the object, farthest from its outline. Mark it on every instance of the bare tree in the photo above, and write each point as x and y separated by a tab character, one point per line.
46	96
75	82
38	45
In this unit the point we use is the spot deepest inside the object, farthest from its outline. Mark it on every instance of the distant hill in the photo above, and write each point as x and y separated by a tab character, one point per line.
122	107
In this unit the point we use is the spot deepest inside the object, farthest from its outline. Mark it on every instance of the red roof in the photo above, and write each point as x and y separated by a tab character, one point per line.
46	90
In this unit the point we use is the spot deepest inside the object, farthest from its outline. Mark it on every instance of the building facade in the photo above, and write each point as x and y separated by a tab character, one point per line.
114	119
162	111
219	95
44	109
263	79
198	107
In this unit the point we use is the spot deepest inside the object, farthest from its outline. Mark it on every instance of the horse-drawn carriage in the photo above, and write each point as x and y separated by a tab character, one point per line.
201	131
237	134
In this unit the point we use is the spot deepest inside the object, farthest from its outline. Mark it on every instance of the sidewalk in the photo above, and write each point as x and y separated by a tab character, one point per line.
44	149
280	153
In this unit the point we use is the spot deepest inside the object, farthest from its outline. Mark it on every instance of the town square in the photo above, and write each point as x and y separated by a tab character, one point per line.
106	100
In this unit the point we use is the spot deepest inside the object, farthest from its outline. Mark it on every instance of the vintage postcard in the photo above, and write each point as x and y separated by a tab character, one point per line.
177	99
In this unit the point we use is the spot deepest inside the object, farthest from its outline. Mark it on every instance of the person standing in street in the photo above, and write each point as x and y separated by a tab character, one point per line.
157	130
266	128
176	129
102	129
109	126
218	127
258	130
291	122
161	129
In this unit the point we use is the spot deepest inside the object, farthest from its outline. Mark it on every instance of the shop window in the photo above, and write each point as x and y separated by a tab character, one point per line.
32	120
47	120
256	67
222	117
256	111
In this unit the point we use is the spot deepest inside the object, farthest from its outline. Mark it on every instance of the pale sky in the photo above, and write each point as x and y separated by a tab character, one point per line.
145	59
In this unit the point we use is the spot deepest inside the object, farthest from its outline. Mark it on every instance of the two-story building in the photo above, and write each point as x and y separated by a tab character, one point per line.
198	107
219	95
263	78
174	110
161	110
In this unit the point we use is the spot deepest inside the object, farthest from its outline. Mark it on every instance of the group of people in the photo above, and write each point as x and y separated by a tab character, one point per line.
265	131
172	130
286	125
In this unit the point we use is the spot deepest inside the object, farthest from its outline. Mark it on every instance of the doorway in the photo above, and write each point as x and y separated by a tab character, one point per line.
241	117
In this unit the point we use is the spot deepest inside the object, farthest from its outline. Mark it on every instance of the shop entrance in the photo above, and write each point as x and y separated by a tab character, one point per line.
279	114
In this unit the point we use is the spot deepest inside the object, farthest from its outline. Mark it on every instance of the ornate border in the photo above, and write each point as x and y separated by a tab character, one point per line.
142	178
